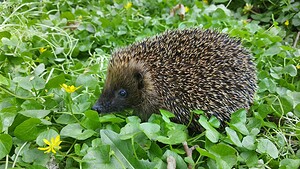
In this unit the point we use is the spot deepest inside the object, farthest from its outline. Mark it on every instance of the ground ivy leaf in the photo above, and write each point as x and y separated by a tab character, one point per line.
250	157
225	155
166	115
204	152
129	131
92	120
39	69
45	135
291	70
76	131
173	137
266	146
248	142
110	118
99	157
3	80
150	129
123	150
5	144
29	129
211	133
35	113
289	164
233	136
238	121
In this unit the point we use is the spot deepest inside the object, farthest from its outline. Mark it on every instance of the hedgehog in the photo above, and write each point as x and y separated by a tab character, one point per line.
180	71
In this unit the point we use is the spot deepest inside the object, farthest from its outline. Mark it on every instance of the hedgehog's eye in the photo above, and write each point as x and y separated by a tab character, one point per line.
122	93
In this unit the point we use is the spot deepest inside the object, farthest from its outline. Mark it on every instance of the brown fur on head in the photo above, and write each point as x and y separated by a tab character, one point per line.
128	86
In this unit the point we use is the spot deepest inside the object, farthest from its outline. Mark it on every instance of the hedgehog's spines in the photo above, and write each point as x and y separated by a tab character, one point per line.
183	70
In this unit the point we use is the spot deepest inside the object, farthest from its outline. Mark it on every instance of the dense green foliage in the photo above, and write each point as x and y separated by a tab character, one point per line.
46	44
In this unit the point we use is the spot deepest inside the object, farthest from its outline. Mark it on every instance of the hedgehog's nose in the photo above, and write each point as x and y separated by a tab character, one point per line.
97	107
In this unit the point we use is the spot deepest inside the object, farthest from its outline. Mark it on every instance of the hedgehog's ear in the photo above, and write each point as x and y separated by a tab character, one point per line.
139	77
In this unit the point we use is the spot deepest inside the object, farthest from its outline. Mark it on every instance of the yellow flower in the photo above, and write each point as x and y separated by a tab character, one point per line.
245	22
186	9
205	1
42	50
80	17
247	8
53	145
287	23
69	89
298	66
128	5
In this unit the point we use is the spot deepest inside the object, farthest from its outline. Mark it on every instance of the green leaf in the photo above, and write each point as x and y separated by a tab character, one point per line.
30	154
173	137
214	121
5	144
291	70
33	82
166	115
3	80
86	81
35	113
225	155
249	142
123	150
48	134
39	69
233	137
250	157
267	84
110	118
76	131
29	129
273	50
56	81
296	19
7	117
266	146
211	133
297	110
204	152
92	120
238	120
5	34
150	129
129	131
100	157
289	164
220	1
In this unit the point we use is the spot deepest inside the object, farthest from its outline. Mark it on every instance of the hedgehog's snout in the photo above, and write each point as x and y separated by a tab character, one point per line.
98	107
101	107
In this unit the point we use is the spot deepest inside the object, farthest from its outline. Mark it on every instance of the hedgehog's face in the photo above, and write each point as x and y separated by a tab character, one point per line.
123	90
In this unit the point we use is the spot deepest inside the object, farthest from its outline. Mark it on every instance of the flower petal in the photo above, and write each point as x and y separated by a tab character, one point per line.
43	148
46	141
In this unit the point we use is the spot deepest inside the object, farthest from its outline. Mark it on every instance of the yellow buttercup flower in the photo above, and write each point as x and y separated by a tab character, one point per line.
42	50
298	66
186	9
69	89
247	8
205	1
53	145
287	23
128	5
